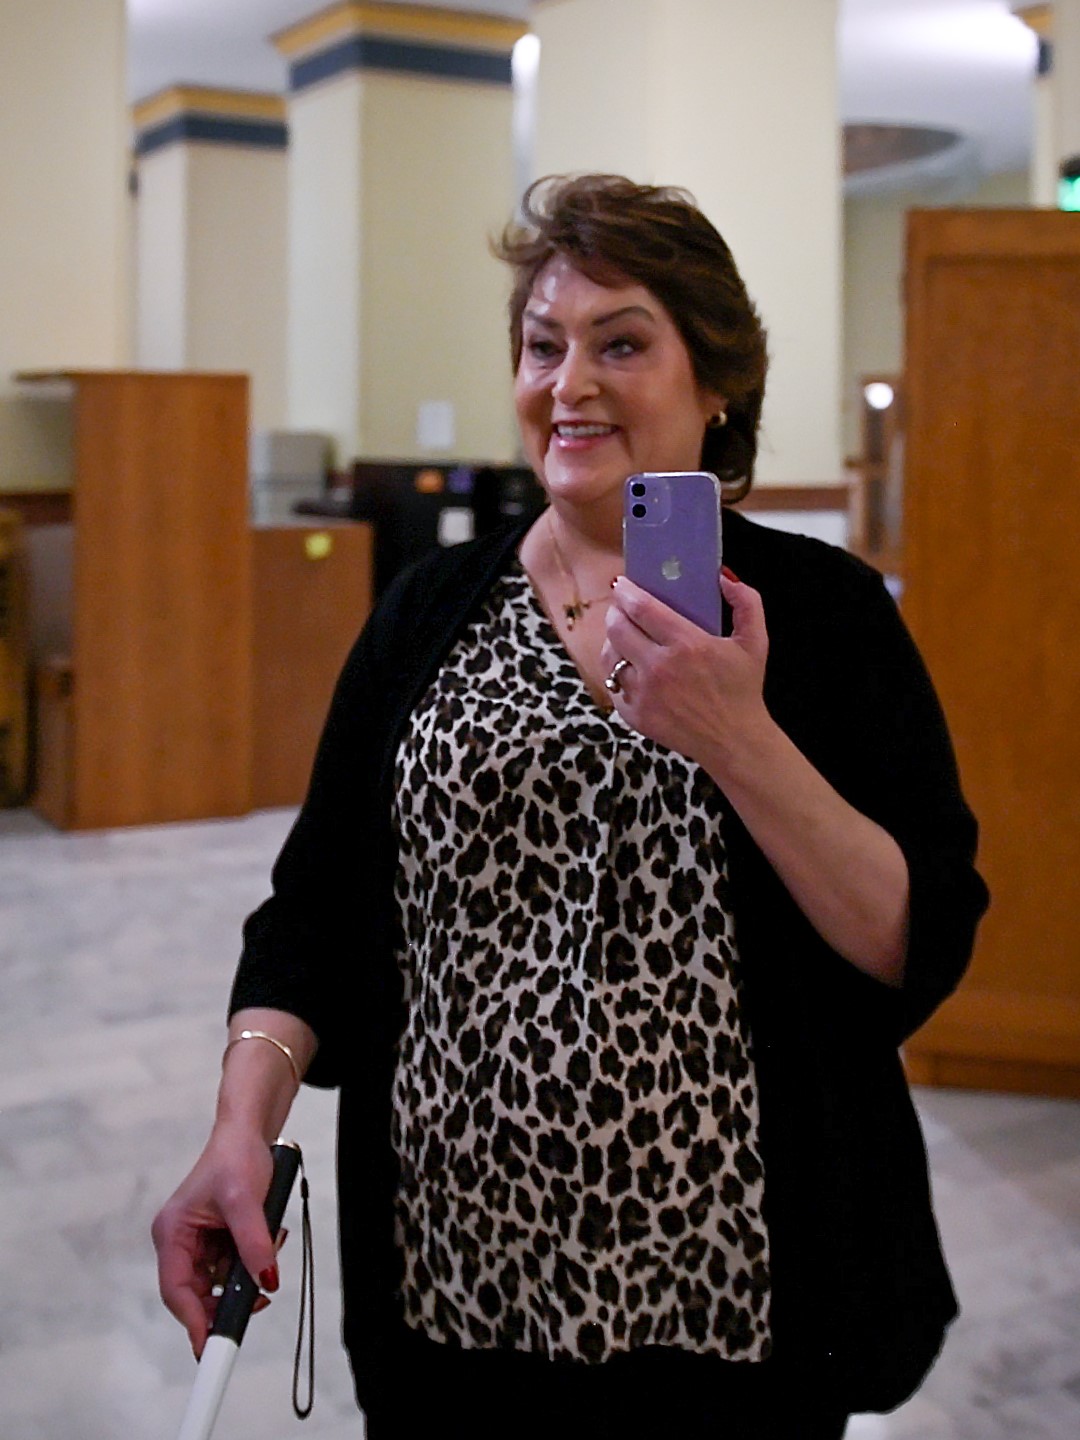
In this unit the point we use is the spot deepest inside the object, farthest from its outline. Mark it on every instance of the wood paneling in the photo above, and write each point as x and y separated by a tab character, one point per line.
312	595
54	791
835	496
992	593
39	507
160	704
14	690
957	1072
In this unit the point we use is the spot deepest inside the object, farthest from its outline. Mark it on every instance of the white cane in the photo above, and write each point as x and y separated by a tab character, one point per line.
234	1310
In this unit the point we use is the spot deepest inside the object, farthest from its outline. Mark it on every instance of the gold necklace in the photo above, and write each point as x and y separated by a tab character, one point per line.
577	606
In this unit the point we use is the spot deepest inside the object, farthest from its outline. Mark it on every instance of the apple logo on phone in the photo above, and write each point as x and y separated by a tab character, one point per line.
671	569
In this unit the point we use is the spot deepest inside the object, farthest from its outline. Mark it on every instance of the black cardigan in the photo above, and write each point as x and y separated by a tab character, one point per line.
861	1296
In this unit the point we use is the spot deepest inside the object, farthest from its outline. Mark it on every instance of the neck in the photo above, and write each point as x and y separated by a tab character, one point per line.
571	567
582	577
588	537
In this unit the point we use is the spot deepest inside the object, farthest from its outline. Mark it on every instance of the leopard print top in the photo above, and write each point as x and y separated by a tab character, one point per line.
575	1107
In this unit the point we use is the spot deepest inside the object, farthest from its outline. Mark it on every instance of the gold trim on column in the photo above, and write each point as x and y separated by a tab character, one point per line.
415	22
201	100
1039	18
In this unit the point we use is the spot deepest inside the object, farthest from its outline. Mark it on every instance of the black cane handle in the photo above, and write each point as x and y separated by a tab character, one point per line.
234	1307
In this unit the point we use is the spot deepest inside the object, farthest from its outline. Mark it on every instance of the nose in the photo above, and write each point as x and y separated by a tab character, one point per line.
575	379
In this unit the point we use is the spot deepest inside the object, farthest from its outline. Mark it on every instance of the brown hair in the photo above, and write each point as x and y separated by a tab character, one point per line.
615	231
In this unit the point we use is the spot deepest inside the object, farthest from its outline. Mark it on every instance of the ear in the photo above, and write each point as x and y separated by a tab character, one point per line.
712	404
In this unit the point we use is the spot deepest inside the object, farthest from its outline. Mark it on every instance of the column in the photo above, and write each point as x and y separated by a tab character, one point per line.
1044	151
1057	94
64	227
1066	78
738	103
211	238
400	169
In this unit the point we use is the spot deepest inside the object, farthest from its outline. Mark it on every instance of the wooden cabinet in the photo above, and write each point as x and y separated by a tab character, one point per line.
148	718
992	593
184	661
312	595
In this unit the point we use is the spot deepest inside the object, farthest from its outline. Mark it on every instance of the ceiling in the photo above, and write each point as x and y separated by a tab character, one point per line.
960	65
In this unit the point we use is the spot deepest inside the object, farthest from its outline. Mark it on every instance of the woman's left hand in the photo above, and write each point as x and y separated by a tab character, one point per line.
693	692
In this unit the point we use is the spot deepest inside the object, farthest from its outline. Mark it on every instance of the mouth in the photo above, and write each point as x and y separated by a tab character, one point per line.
569	431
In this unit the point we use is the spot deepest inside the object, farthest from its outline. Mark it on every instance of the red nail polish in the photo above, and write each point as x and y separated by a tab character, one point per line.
726	570
269	1279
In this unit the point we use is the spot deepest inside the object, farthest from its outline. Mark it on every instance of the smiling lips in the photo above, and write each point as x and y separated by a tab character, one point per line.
578	433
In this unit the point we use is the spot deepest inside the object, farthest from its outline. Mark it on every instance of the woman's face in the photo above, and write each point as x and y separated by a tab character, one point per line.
604	388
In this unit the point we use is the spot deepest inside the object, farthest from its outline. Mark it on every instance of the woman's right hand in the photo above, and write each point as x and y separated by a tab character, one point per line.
215	1213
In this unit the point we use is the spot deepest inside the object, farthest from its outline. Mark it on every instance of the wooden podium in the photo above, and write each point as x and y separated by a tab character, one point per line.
149	718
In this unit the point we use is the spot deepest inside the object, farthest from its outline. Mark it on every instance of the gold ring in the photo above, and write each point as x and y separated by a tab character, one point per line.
612	682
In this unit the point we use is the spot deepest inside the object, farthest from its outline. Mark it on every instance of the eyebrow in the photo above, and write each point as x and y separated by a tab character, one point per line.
600	319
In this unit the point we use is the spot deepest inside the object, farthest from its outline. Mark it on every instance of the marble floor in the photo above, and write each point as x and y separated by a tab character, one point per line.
116	952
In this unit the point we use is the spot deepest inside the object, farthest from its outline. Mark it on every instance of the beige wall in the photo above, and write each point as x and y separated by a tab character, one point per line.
161	265
211	266
237	259
438	182
874	233
64	231
1066	77
608	51
325	202
766	72
396	184
707	94
1057	102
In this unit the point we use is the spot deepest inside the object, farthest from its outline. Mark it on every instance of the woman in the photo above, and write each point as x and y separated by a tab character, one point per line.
609	929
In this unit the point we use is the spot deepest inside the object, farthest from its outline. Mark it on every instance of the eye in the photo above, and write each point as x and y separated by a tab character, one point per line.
622	347
541	348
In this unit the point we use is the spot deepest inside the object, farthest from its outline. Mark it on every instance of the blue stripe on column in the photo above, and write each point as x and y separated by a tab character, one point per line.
371	52
214	130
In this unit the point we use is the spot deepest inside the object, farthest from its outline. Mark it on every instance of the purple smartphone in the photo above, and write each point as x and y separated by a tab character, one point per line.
672	541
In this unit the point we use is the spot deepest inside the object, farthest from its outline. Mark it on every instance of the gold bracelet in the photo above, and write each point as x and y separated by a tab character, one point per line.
262	1035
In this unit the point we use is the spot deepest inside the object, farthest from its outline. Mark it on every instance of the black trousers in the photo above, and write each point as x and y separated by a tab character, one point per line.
452	1394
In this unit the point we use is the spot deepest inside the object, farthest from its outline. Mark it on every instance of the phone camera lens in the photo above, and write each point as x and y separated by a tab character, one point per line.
637	488
638	511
